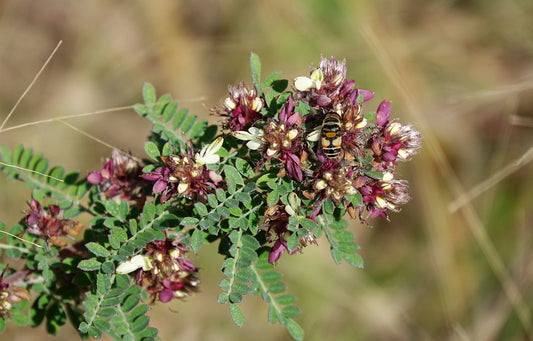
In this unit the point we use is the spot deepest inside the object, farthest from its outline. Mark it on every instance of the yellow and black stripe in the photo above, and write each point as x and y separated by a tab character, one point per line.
331	137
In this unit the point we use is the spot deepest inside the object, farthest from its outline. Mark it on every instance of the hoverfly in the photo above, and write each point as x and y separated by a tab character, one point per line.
331	135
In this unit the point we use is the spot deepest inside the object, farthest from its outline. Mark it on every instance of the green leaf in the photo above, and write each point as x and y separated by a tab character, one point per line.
170	110
197	240
89	264
102	324
233	174
187	124
179	118
189	221
197	129
25	158
97	249
223	298
274	76
308	223
151	150
108	267
201	209
273	198
2	324
243	196
286	299
131	302
255	65
94	332
277	288
236	314
271	277
291	311
353	259
20	319
244	167
295	330
140	324
149	95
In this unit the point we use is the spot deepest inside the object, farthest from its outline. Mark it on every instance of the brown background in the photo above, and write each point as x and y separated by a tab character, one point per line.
460	70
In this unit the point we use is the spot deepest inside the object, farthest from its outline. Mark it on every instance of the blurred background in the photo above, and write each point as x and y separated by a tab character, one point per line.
455	264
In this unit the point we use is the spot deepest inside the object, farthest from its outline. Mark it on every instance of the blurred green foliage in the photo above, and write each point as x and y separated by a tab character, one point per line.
463	66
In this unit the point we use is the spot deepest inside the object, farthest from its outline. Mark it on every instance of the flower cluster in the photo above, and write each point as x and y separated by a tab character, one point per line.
186	175
333	149
10	294
120	178
50	224
280	139
163	271
277	220
242	108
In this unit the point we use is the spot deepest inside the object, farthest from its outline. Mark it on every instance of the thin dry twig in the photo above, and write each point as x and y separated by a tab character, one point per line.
22	239
94	138
59	118
31	84
30	170
468	196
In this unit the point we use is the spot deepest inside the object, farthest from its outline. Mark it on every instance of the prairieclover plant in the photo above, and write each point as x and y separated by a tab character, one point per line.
289	164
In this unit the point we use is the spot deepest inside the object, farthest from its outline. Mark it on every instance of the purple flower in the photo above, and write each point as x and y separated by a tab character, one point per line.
380	196
242	108
10	294
120	178
169	274
394	142
277	219
50	224
183	176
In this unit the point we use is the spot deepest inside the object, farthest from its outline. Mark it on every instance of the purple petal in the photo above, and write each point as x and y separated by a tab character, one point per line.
166	295
323	100
389	157
94	177
276	252
35	205
187	265
54	210
159	186
32	219
295	117
383	113
367	95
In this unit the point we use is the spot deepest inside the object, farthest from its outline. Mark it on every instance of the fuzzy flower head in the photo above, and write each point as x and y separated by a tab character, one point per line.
10	294
279	139
50	224
186	175
328	89
380	196
333	181
276	221
395	142
164	270
120	178
242	108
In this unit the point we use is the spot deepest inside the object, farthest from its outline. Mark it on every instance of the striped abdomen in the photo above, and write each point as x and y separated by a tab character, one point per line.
331	137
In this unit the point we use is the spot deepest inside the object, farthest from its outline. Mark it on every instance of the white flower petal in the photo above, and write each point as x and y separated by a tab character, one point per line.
303	83
254	145
243	135
314	135
388	176
135	263
289	210
208	153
